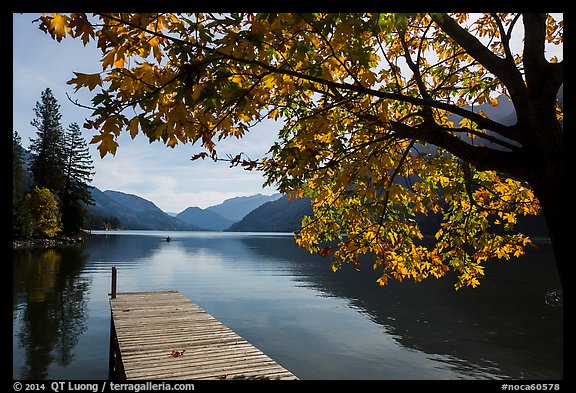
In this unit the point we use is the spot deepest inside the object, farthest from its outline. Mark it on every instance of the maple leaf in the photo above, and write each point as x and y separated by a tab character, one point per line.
81	28
59	26
88	80
107	144
326	250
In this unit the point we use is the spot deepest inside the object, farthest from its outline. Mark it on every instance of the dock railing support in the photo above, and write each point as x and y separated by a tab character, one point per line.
115	367
113	289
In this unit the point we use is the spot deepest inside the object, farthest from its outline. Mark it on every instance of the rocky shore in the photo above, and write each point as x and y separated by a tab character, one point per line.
42	243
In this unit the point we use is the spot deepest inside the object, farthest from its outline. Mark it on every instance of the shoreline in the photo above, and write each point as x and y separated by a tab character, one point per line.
44	243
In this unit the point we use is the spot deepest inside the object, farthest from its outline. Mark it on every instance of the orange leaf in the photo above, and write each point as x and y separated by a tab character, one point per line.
326	250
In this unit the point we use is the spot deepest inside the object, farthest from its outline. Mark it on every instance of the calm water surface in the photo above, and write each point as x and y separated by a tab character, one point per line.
316	323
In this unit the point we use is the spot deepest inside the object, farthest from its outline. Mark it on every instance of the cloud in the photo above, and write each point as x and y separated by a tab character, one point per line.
170	179
38	62
163	175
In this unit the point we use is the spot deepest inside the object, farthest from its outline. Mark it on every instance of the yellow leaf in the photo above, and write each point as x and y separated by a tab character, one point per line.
438	234
237	79
59	24
90	80
444	181
119	62
335	266
115	57
383	280
269	81
245	117
79	26
172	141
274	114
473	282
157	52
196	90
107	143
133	127
108	59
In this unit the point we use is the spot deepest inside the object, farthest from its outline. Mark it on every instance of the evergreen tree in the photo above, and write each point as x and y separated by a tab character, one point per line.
77	174
17	166
21	220
48	148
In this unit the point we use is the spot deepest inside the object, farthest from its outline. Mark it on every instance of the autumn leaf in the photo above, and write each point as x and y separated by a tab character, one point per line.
59	26
85	80
176	353
106	142
133	127
81	28
382	280
324	251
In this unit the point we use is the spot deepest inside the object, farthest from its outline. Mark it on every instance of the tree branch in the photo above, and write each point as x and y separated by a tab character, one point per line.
507	73
427	112
505	36
482	157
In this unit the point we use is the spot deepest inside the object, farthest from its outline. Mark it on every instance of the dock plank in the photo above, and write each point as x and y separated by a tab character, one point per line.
148	326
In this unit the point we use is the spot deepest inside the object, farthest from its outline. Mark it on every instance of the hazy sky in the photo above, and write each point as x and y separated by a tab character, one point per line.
161	174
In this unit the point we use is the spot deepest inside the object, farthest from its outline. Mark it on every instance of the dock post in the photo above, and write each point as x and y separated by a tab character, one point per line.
115	368
113	289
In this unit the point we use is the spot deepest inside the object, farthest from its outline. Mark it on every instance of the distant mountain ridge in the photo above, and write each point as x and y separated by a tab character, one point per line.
129	211
281	215
236	208
204	219
134	212
220	217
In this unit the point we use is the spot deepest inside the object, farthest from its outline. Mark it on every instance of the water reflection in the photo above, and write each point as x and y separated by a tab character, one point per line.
504	326
50	300
318	324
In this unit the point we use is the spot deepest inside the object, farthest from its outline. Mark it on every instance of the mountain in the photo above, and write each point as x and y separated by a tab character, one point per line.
280	215
133	212
132	202
205	219
220	217
235	209
115	209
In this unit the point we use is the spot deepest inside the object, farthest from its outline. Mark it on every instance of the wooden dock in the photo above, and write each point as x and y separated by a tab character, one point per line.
163	335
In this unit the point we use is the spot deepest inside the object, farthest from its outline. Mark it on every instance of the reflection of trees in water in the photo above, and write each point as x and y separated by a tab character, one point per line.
54	312
117	249
504	325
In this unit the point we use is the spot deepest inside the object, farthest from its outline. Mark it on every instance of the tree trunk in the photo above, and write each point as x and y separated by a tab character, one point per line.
550	195
546	177
545	146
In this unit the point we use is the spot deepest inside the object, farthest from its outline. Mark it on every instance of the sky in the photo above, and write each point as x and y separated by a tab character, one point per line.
152	171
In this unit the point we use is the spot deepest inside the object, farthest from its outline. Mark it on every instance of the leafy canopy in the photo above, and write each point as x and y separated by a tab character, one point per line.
43	205
376	121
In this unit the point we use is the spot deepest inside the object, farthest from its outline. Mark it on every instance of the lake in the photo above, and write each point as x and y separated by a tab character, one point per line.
288	303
